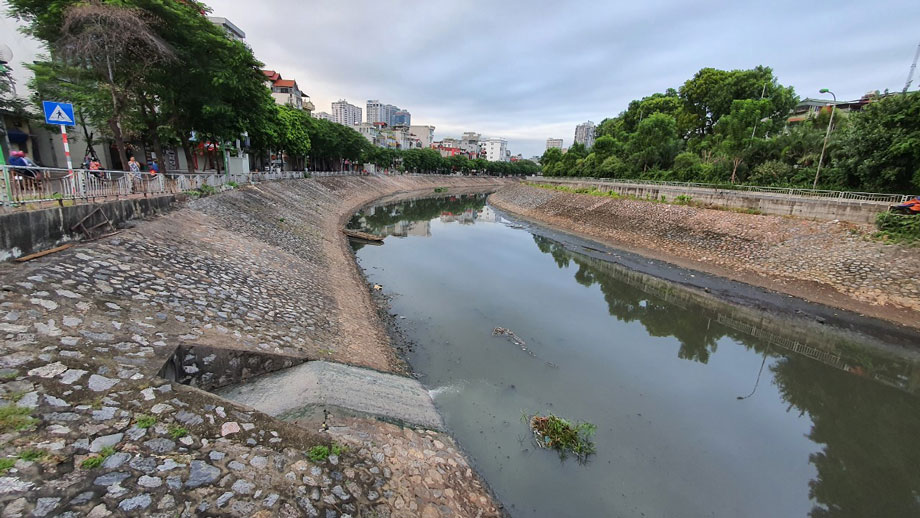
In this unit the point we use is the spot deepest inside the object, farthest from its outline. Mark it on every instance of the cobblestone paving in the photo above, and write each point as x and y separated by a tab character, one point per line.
770	250
87	428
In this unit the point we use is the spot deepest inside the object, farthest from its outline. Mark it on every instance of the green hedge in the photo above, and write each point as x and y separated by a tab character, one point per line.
898	227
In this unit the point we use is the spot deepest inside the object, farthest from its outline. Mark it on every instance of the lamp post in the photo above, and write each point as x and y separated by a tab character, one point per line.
826	135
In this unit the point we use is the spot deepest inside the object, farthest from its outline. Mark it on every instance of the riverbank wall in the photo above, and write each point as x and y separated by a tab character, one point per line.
833	263
774	202
263	274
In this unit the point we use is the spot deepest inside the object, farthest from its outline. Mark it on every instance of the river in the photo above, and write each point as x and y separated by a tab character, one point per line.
703	407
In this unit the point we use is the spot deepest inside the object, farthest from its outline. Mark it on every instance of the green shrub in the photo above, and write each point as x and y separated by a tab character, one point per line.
232	184
898	227
207	190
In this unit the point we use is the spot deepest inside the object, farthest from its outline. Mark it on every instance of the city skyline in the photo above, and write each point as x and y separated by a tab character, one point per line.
588	63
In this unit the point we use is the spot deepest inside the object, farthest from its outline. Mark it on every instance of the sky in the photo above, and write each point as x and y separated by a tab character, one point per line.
527	70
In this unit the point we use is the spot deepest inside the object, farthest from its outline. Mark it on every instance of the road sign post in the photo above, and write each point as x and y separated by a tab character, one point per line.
61	114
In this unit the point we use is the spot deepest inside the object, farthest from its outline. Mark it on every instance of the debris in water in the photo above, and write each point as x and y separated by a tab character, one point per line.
377	287
515	339
561	435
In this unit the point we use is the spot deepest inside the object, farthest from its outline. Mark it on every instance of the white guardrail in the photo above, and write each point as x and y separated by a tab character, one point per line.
783	191
25	185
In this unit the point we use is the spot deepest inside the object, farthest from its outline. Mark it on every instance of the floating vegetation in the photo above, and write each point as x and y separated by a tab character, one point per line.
561	435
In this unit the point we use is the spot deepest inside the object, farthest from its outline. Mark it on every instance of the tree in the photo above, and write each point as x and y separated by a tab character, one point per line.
118	44
736	130
709	95
655	143
880	149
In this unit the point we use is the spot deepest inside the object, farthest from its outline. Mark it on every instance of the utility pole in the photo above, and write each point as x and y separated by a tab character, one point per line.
913	67
826	135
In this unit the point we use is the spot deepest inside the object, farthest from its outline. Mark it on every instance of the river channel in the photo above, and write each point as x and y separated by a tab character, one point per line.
703	407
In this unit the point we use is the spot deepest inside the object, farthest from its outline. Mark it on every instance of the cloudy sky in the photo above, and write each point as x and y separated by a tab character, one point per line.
530	69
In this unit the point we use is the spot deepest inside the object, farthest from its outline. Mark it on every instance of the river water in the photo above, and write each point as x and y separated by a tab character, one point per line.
703	407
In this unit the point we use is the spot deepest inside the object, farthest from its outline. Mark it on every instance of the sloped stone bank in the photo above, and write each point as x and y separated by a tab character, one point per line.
834	263
89	428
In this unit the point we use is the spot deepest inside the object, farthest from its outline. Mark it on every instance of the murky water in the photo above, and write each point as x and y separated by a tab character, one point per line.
702	407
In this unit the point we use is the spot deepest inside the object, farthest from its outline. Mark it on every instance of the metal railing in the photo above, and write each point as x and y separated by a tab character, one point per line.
783	191
21	186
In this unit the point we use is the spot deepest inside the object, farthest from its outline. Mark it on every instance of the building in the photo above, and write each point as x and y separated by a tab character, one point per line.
232	30
584	134
810	108
345	113
286	91
383	113
322	115
402	118
495	149
425	135
554	143
469	143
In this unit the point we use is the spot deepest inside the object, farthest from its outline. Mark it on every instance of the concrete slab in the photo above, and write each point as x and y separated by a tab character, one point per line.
295	391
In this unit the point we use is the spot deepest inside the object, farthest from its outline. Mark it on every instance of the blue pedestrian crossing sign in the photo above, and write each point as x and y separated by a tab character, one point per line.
60	114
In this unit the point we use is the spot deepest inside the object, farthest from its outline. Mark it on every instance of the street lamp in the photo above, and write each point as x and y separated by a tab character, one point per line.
826	135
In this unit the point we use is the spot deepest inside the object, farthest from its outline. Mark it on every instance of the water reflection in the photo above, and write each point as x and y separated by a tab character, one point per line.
413	217
843	382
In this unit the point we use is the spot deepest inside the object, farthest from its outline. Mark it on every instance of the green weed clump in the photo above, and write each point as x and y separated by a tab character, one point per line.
96	460
207	190
563	436
899	228
440	189
177	432
321	452
6	464
15	419
145	421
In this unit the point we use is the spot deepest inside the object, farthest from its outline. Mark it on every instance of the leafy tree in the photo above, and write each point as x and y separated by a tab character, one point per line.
880	149
655	142
736	130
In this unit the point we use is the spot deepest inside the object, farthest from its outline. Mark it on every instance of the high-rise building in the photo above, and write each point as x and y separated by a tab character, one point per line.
232	30
584	134
425	134
470	143
495	149
402	118
385	113
345	113
554	143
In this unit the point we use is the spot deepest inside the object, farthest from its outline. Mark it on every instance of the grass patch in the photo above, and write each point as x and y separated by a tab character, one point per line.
207	190
232	184
145	421
440	189
562	435
6	464
321	452
96	460
177	432
32	454
898	228
15	418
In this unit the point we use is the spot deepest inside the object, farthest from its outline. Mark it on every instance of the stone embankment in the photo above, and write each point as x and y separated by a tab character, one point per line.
833	263
89	428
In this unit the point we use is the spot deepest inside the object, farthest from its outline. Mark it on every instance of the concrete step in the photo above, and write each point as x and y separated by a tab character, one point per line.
309	388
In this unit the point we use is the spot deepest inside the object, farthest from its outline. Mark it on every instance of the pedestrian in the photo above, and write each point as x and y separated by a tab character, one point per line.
154	168
19	159
134	167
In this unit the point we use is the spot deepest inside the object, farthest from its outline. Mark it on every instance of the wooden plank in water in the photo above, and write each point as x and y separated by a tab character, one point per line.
362	235
36	255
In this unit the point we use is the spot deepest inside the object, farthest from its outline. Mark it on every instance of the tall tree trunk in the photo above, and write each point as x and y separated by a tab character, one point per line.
737	162
150	116
114	120
187	148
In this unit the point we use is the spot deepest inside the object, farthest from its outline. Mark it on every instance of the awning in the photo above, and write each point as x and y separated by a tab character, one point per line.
16	136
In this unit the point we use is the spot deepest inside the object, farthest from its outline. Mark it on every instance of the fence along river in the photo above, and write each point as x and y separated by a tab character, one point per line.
703	407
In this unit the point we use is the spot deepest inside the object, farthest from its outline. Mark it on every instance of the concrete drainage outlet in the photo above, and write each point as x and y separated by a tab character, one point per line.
295	389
